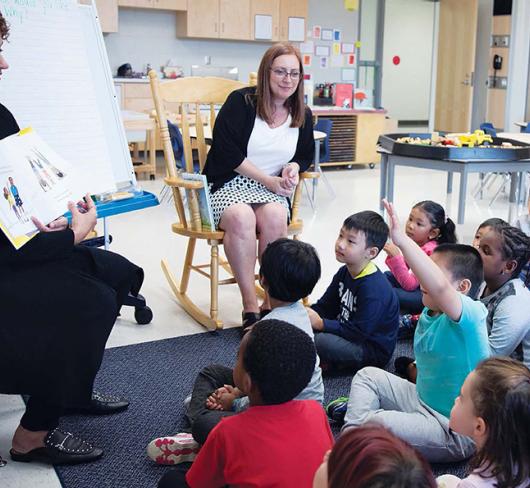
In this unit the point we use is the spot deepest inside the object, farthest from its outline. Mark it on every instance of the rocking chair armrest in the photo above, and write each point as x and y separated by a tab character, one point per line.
186	184
309	175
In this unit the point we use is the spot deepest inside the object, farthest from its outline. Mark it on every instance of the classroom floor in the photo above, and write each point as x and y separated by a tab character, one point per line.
145	237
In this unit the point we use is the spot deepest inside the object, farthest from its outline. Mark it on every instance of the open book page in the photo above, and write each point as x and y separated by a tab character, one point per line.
205	206
34	181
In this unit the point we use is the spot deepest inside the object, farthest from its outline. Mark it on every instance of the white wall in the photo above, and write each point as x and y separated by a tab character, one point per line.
147	36
409	35
150	36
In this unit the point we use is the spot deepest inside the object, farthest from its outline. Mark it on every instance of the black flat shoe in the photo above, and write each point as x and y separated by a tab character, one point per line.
60	448
248	320
100	404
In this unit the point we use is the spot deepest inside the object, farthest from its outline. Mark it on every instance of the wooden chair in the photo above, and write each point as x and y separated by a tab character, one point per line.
186	96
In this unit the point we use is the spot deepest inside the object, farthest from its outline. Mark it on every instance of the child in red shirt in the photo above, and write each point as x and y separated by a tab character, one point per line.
278	441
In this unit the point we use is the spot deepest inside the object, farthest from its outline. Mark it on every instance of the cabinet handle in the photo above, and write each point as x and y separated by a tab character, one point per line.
222	26
215	26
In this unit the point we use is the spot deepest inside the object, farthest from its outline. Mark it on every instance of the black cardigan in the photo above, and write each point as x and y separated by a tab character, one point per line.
231	134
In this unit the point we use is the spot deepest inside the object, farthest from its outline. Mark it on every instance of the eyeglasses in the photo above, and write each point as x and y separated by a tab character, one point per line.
283	73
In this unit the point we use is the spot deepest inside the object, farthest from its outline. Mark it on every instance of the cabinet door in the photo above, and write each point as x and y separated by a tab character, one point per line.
288	9
202	18
265	7
108	15
234	17
169	4
135	3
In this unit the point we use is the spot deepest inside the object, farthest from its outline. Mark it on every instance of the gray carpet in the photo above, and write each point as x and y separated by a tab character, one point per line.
156	377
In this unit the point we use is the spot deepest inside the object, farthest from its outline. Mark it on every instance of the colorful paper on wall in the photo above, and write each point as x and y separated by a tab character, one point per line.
324	62
348	47
316	31
350	60
337	35
348	74
351	4
306	60
336	48
326	34
307	47
322	50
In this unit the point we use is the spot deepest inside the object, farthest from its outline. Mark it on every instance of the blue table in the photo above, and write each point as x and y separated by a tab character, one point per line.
139	201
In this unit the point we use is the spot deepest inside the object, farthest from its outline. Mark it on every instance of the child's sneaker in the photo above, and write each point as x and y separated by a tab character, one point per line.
336	409
407	326
176	449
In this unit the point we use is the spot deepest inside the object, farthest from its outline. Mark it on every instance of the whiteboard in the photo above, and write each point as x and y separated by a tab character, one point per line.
60	83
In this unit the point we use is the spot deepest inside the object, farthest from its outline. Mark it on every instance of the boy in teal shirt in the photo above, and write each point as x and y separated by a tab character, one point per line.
450	340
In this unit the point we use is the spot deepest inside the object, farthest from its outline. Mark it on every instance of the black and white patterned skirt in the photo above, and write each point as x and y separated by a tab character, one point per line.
242	189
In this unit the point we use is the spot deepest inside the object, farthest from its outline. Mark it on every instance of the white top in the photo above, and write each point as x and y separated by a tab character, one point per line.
271	149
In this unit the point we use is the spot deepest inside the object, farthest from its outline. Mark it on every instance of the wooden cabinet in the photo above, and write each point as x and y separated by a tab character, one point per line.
291	9
177	5
234	19
107	14
200	20
353	138
267	8
215	19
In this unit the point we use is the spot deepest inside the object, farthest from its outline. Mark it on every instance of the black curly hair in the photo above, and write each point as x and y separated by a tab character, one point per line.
280	360
4	28
515	244
372	225
290	269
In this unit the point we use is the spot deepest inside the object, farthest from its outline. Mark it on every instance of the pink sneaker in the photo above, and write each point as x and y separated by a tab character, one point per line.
176	449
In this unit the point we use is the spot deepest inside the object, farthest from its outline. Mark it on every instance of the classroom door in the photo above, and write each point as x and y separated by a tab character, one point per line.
456	63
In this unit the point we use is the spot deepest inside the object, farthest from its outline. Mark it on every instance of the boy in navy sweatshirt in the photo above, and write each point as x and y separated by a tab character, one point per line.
357	317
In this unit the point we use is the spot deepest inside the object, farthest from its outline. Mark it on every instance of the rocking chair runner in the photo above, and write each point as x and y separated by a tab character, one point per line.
186	96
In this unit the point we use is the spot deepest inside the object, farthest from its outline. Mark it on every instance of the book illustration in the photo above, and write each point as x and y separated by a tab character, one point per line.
14	200
36	182
205	206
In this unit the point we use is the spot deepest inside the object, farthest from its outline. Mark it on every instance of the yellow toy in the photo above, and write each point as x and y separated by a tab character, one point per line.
471	140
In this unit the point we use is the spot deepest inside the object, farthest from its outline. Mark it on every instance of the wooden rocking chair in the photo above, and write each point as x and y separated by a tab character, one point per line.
185	96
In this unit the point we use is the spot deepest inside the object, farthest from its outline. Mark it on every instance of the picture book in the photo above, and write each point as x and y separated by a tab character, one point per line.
205	207
343	95
34	182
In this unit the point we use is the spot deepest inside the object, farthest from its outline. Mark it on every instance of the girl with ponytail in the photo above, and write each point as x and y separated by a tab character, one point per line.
427	226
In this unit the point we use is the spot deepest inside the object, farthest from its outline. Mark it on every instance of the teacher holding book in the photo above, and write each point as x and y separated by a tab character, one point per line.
262	139
59	303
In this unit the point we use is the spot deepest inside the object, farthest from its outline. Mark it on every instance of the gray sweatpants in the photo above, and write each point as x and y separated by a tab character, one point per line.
382	397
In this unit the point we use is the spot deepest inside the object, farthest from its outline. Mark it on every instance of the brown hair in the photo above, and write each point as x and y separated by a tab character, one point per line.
4	28
370	456
501	397
295	103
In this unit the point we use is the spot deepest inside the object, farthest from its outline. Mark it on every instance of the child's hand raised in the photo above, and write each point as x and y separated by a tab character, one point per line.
396	231
391	249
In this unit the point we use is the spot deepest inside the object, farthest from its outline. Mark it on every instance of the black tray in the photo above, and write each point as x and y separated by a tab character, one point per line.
388	142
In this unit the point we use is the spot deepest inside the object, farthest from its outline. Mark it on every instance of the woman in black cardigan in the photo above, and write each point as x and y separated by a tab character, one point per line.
59	303
262	139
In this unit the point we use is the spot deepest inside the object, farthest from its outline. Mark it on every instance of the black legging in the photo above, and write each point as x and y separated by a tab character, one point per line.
40	415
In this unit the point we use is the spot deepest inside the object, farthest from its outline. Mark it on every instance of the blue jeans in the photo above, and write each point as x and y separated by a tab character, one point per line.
409	301
339	351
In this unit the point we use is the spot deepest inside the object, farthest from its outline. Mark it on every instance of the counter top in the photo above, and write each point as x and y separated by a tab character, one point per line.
323	110
131	80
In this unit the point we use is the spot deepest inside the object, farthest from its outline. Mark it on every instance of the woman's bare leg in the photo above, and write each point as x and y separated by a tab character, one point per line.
271	224
239	224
